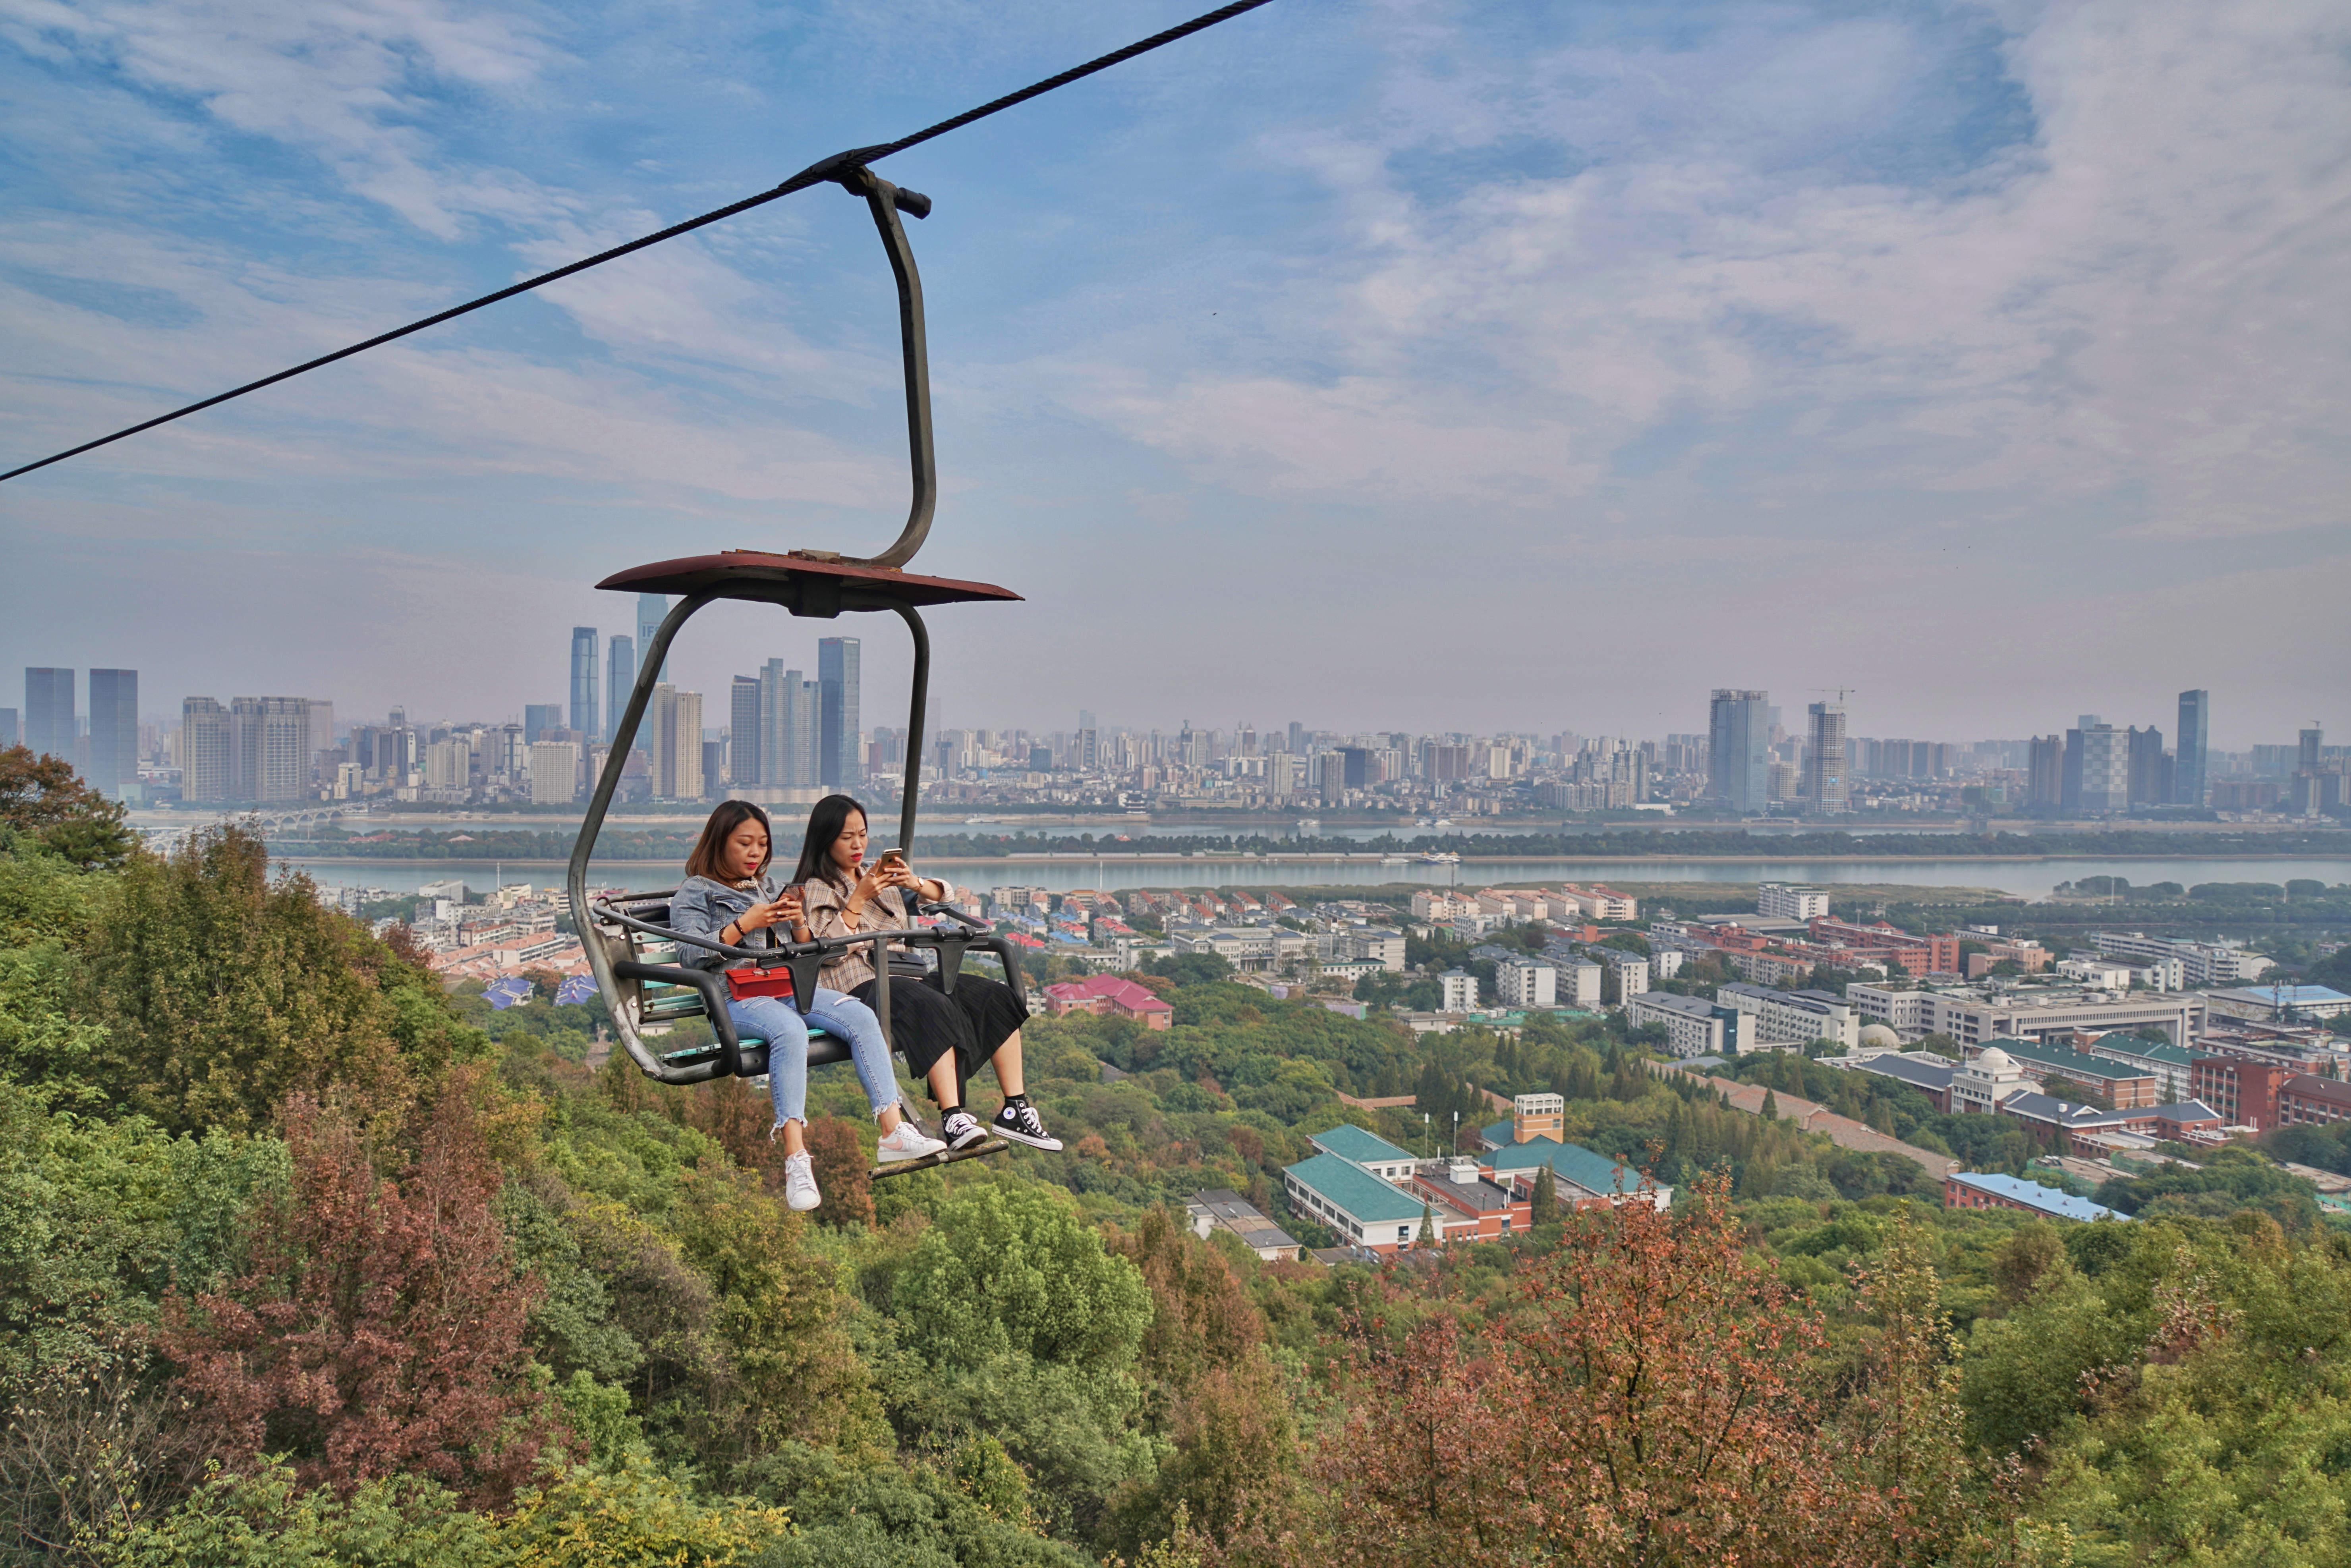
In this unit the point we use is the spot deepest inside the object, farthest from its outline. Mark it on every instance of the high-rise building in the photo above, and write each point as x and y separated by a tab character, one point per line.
676	726
207	752
652	608
269	748
1088	756
2150	767
11	733
838	681
322	731
619	680
538	718
1297	746
1739	749
2045	777
2098	767
583	682
2195	736
2311	748
1825	785
789	711
113	732
50	722
743	733
554	773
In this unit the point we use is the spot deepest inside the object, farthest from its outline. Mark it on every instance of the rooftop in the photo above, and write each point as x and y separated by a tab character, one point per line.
1350	1142
2048	1200
2062	1059
1356	1190
2286	995
1571	1163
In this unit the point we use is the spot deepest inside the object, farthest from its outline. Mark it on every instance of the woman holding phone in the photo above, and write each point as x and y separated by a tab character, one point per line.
945	1038
728	897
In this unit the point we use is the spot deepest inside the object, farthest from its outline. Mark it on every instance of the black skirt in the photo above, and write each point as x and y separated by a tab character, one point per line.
925	1023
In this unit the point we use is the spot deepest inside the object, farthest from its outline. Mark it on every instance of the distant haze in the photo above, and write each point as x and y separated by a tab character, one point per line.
1417	366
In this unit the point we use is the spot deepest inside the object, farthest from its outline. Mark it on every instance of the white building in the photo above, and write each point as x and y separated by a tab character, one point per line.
1457	991
1982	1085
1974	1015
1600	903
2202	963
1779	901
1631	969
1375	944
1694	1026
1793	1018
1578	984
554	772
2104	973
1528	983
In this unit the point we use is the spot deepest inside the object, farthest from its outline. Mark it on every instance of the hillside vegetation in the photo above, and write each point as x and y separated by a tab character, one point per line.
304	1260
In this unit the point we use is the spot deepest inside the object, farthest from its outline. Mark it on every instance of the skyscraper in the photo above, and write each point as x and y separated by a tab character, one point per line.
1825	769
2150	780
538	718
651	609
619	680
10	733
583	682
837	679
207	758
49	719
270	750
676	726
2098	767
2045	781
2195	734
789	711
1297	738
743	733
1739	749
113	732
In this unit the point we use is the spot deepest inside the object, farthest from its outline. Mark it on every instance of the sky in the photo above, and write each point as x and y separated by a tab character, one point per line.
1427	364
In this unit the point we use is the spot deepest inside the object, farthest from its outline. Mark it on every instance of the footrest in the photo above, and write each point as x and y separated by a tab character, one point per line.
948	1157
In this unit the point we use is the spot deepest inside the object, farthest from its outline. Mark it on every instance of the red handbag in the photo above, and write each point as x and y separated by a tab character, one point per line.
748	983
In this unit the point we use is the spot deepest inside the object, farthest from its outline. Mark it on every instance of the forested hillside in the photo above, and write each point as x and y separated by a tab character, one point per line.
305	1261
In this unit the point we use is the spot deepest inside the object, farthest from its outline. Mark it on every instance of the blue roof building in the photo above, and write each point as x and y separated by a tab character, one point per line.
1369	1150
1351	1201
1989	1189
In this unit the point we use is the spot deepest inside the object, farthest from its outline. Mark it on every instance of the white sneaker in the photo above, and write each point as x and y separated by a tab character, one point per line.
905	1141
800	1183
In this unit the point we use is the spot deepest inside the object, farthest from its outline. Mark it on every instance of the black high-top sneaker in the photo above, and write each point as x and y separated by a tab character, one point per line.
961	1129
1019	1122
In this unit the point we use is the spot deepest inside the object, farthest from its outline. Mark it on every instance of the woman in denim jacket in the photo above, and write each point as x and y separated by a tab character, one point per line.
728	898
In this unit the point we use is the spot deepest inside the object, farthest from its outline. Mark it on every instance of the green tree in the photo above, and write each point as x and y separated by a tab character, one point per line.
42	797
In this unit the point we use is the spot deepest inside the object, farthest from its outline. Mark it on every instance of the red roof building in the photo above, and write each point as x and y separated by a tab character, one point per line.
1109	996
2308	1100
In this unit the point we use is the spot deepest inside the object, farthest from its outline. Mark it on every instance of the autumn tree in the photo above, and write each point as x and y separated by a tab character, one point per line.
42	798
377	1329
1643	1406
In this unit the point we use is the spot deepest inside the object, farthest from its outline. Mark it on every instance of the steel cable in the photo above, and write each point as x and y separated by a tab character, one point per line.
816	173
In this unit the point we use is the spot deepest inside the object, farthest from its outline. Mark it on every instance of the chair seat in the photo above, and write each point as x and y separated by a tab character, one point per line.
824	1050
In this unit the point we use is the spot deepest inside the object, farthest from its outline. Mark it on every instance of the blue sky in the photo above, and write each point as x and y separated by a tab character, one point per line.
1419	365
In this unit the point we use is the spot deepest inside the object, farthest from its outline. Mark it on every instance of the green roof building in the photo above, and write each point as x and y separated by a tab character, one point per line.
1359	1205
1369	1150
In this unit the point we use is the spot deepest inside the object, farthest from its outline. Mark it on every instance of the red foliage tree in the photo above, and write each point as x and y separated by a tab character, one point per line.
1643	1406
378	1327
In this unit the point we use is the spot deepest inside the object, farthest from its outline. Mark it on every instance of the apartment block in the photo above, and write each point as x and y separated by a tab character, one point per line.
1977	1015
1785	1018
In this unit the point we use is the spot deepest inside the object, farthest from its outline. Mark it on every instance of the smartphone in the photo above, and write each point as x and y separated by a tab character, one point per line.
893	857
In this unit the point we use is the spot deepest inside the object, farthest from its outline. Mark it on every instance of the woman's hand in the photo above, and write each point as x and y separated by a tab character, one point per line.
783	909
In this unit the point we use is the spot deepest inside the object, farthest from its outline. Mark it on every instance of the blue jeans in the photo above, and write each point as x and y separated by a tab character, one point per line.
778	1023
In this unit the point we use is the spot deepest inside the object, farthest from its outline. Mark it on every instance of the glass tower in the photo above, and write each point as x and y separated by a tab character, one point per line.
583	682
2188	761
619	680
651	609
1824	771
837	661
113	732
1739	749
49	727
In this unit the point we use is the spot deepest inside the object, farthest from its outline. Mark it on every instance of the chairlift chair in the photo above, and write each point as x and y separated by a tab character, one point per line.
632	950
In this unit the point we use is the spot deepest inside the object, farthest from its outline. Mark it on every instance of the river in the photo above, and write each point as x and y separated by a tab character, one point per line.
2026	878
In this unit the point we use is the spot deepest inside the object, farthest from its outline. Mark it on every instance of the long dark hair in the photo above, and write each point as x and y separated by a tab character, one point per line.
825	824
708	858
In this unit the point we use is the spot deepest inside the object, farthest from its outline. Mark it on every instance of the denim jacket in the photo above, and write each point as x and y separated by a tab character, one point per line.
702	907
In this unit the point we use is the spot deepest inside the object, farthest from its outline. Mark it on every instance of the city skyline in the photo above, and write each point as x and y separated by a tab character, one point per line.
1998	343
